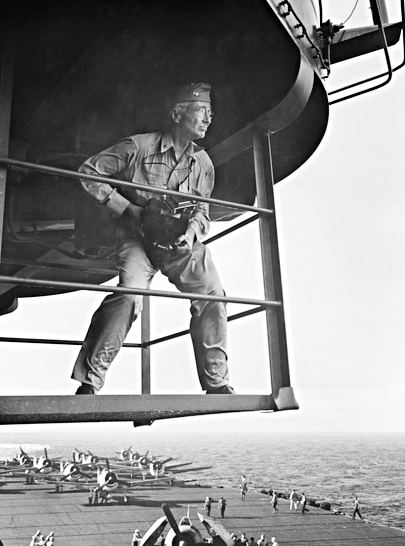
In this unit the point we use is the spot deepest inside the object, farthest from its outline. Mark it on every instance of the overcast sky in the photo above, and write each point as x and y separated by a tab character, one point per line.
340	222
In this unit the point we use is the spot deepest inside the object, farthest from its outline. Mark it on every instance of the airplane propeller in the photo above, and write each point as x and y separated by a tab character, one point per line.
171	519
74	472
93	458
125	453
110	477
24	458
47	464
184	534
157	466
151	536
144	462
135	457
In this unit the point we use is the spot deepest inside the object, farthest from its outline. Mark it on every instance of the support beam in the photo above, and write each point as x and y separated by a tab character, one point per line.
145	335
276	332
6	90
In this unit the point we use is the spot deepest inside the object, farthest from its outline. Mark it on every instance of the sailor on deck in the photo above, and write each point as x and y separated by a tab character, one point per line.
166	160
293	500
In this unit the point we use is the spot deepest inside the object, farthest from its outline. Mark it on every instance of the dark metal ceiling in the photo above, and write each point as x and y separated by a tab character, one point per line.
88	73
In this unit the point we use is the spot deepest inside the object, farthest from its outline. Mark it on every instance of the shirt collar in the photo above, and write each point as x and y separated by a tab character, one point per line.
167	142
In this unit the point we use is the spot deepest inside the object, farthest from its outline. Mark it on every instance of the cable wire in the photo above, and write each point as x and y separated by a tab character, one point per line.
353	10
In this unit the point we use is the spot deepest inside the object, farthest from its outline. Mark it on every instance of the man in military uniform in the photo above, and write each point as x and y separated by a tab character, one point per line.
169	160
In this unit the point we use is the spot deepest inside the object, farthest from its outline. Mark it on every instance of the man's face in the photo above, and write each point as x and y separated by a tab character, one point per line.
195	120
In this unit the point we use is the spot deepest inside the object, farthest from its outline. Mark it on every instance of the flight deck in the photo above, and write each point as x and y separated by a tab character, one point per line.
26	508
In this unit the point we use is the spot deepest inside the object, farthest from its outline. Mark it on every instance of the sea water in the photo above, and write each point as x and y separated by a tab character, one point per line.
327	467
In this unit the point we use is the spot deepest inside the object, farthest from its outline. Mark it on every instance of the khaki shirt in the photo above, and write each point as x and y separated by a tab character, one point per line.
149	159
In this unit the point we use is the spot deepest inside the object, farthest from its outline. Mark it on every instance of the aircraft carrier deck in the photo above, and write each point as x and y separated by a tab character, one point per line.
26	508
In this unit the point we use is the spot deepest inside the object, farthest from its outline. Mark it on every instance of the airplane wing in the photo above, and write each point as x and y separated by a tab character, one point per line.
8	471
193	469
154	532
56	480
177	465
146	481
59	477
16	471
127	465
212	525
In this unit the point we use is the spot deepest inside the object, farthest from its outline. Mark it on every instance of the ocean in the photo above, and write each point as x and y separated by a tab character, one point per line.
327	467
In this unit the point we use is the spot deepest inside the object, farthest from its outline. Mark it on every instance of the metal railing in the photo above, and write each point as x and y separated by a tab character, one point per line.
260	304
389	71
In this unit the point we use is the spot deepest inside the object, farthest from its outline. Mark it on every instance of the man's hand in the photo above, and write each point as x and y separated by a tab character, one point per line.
133	216
184	243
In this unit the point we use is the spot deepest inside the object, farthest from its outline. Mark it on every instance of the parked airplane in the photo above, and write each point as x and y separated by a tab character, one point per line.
23	459
70	473
20	462
86	458
23	463
185	533
44	464
109	481
127	455
85	468
158	468
155	467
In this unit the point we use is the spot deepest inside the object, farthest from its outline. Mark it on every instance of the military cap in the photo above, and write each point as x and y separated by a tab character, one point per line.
191	92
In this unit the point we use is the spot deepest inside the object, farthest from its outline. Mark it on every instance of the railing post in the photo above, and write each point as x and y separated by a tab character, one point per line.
145	352
276	333
6	89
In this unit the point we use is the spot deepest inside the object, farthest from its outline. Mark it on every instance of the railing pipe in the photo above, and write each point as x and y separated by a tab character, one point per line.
145	353
125	345
7	45
8	279
132	185
231	229
276	331
185	332
377	15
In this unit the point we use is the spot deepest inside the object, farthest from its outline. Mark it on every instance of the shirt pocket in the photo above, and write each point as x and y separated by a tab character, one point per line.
151	173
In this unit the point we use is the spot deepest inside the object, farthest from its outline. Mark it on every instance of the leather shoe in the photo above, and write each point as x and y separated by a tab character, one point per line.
85	388
224	389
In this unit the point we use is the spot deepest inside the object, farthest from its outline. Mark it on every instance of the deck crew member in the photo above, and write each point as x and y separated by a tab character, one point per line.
274	501
222	506
243	539
293	500
303	502
356	510
136	538
207	505
168	159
